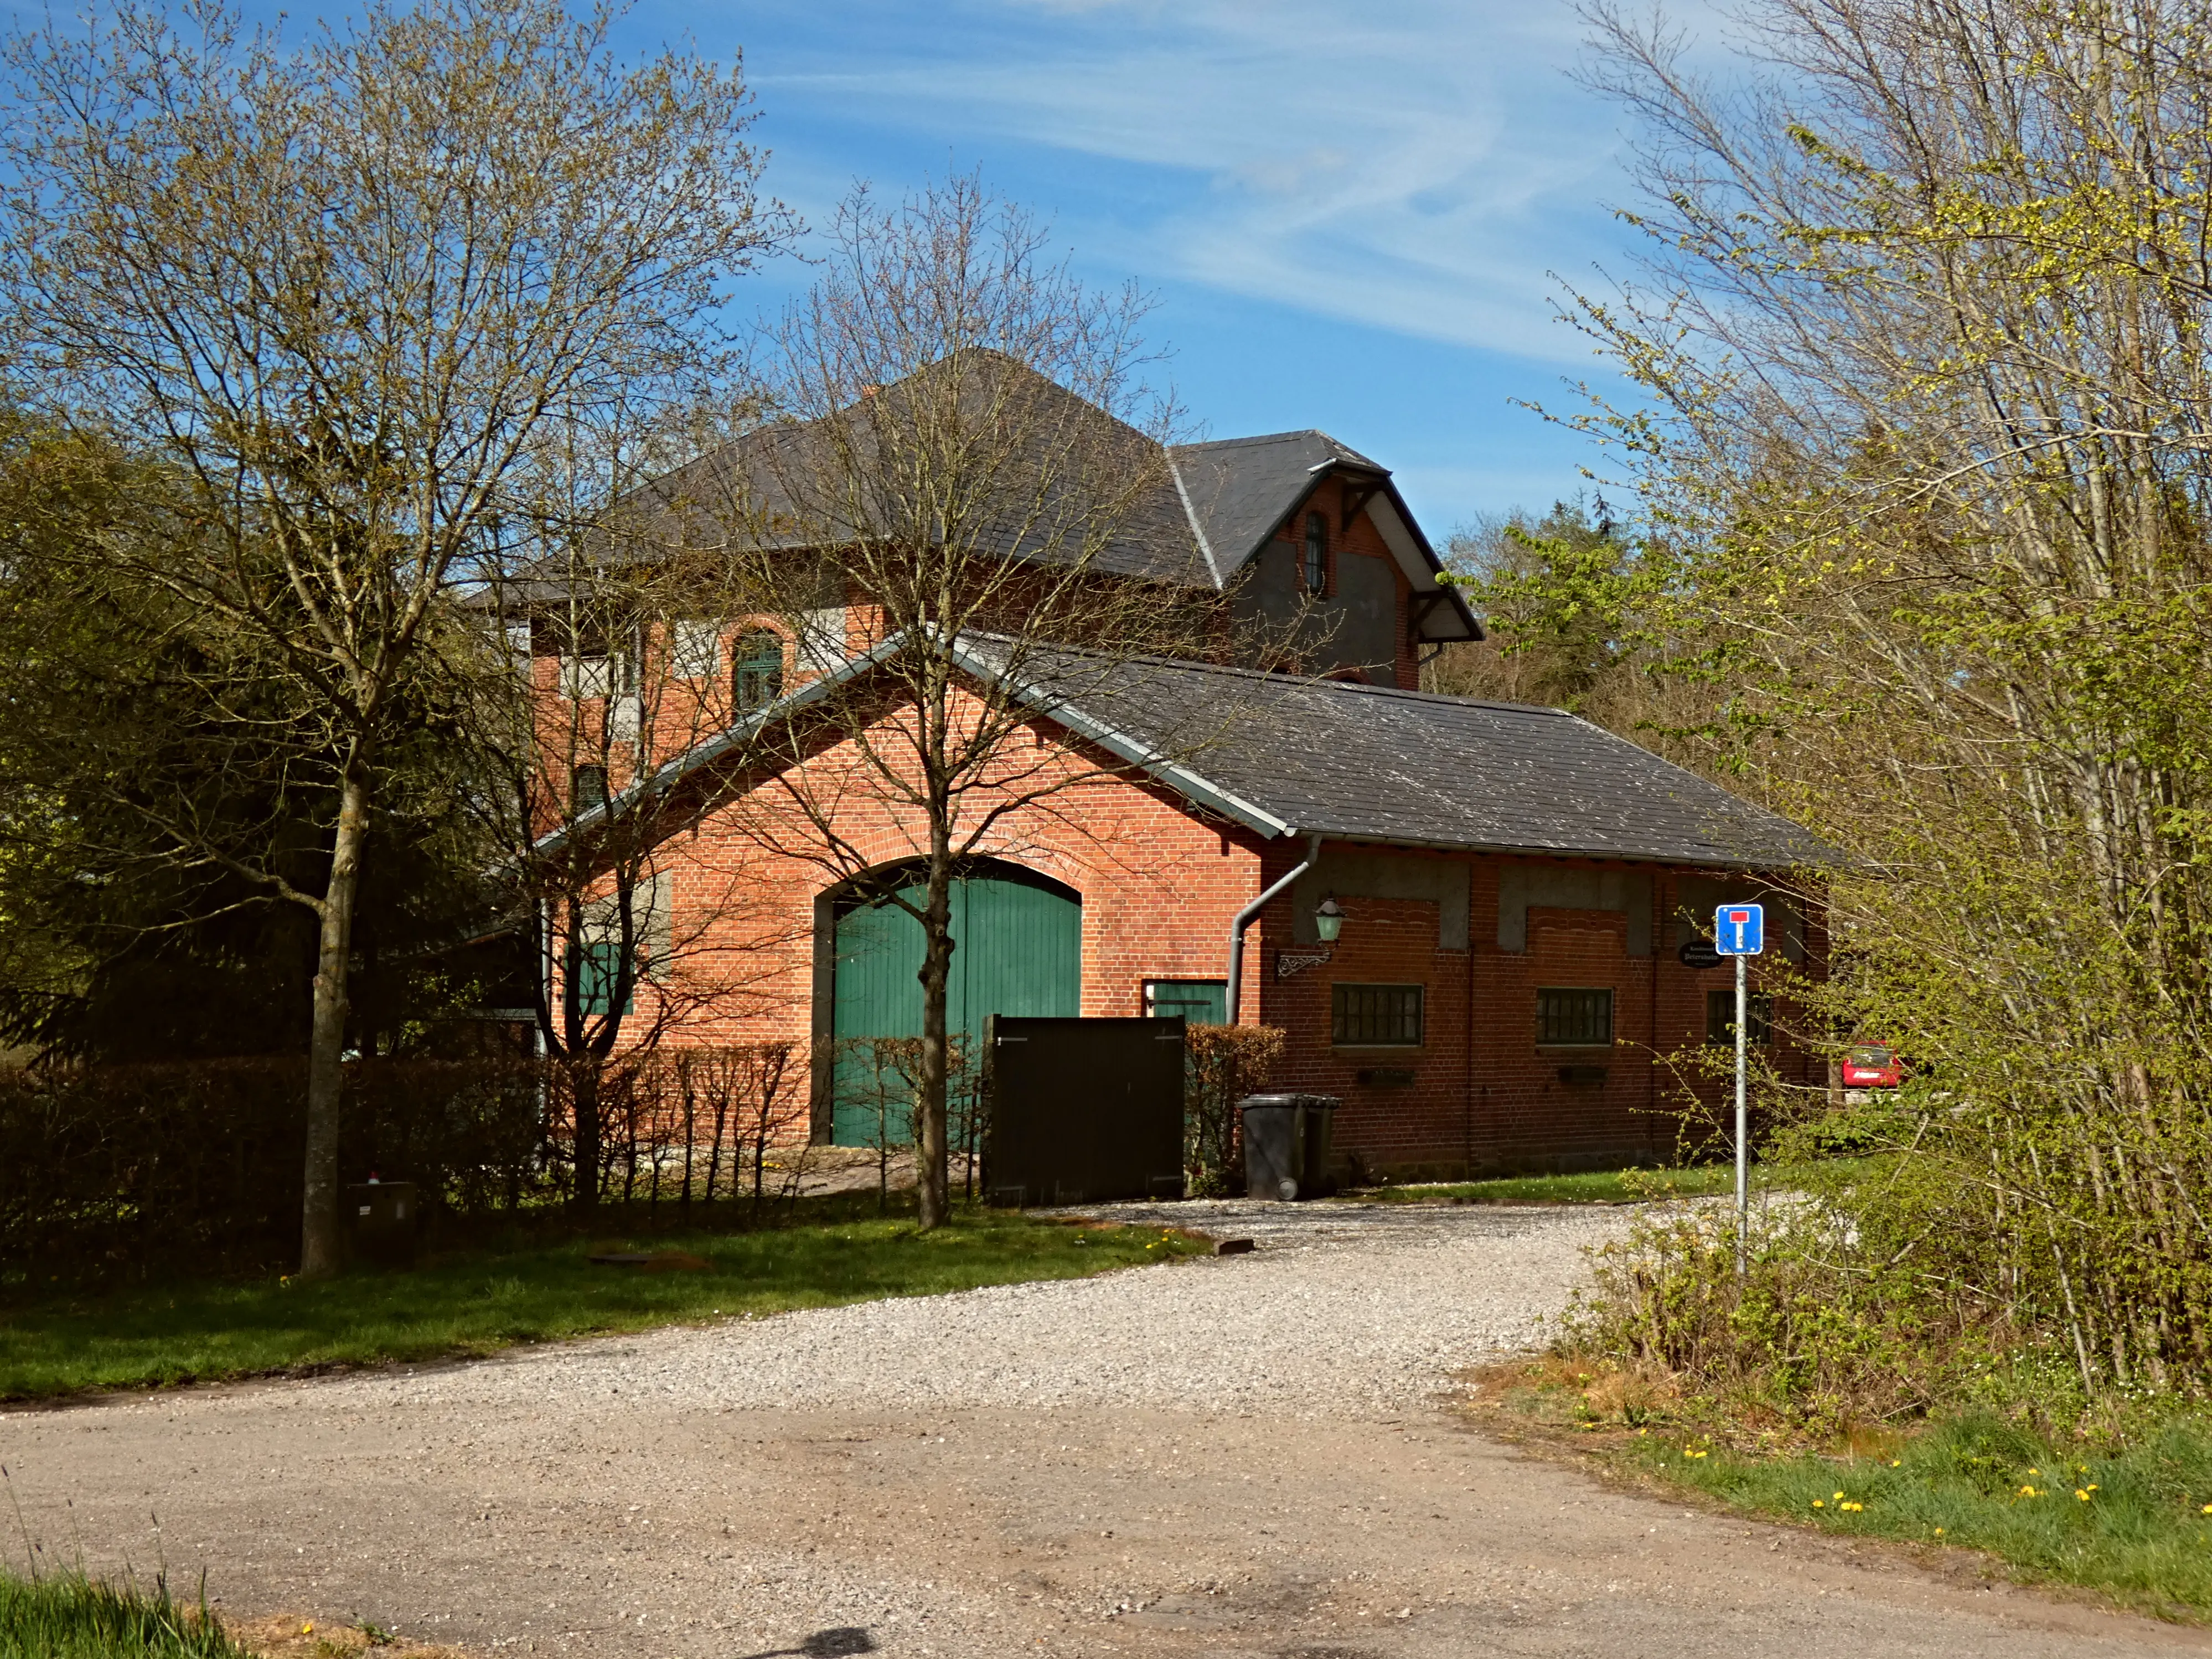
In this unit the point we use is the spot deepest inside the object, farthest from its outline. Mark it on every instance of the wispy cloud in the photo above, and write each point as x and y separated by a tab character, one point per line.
1420	173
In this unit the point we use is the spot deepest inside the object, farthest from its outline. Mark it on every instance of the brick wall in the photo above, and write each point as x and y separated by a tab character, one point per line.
1483	1094
1358	540
1160	886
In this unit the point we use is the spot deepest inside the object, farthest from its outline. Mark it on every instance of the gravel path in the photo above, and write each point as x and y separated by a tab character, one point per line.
1341	1311
1225	1458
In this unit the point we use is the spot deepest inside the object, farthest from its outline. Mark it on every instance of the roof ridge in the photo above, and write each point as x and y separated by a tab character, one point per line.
1344	452
1319	681
1255	438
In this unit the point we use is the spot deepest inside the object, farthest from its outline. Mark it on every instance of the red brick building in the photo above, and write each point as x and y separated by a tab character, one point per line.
1514	884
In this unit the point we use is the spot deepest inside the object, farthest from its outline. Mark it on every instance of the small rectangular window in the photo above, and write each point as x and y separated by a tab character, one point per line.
1573	1017
1376	1016
587	787
1199	1001
1720	1019
594	972
757	678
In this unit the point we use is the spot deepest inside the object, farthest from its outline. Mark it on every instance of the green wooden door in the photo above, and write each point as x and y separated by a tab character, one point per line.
1018	950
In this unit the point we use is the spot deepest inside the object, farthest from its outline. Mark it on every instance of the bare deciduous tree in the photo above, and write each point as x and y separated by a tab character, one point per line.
965	463
342	291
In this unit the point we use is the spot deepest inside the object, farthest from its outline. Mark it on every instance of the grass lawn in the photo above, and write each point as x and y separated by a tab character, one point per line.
1592	1187
476	1301
2134	1525
71	1618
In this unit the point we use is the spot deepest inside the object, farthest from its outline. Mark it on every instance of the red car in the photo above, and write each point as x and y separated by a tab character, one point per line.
1872	1066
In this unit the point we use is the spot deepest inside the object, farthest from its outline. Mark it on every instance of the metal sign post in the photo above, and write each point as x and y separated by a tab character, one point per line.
1740	931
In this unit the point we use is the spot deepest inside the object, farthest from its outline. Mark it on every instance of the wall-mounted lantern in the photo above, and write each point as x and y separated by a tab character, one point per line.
1329	921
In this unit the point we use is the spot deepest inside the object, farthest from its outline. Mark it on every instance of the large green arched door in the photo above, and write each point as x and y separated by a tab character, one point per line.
1018	950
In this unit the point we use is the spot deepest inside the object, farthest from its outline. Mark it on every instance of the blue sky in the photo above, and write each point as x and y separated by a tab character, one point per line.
1348	213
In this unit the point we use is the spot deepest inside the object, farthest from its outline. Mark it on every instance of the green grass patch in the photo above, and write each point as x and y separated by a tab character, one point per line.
2130	1521
1589	1186
2134	1524
476	1301
72	1618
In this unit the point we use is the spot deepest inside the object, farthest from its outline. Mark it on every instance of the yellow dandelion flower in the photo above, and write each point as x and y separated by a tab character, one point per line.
1839	1498
1818	1504
2035	1471
1939	1532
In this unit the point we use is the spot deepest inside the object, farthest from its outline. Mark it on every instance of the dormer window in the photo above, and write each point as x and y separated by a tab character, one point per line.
1317	554
757	665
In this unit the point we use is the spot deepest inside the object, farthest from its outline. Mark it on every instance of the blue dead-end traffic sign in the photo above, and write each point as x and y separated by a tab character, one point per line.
1739	930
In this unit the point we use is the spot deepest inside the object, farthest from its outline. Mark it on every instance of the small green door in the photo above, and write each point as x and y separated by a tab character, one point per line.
1018	950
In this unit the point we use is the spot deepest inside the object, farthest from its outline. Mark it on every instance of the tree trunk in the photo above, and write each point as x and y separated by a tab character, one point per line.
932	1193
320	1254
584	1092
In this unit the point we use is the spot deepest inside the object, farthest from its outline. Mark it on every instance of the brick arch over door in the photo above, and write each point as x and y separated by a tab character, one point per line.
1017	940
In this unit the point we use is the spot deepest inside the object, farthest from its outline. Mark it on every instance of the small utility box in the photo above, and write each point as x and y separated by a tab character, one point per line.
381	1219
1286	1145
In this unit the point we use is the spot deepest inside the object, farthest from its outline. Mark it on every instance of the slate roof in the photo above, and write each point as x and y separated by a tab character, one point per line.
1240	490
1372	764
1208	517
1289	757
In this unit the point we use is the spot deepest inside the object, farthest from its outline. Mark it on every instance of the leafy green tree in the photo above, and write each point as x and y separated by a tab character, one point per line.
347	296
1557	596
128	779
1927	496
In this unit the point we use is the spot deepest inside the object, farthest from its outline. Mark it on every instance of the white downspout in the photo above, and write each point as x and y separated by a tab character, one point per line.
1244	920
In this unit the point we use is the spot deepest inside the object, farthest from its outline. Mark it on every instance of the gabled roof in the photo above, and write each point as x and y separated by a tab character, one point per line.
1372	764
1216	506
1240	491
1289	757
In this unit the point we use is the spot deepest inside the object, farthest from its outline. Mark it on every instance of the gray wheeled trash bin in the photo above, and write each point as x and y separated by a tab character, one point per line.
1286	1141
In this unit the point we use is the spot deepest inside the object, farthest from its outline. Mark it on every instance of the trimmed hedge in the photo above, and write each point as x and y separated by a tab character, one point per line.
128	1170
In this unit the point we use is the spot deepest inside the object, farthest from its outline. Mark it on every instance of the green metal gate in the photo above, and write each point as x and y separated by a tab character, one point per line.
1019	941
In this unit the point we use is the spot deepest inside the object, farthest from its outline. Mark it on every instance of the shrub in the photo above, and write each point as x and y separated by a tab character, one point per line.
1223	1063
196	1167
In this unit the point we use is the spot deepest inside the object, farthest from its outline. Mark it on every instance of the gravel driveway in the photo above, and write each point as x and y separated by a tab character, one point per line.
1231	1457
1341	1310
